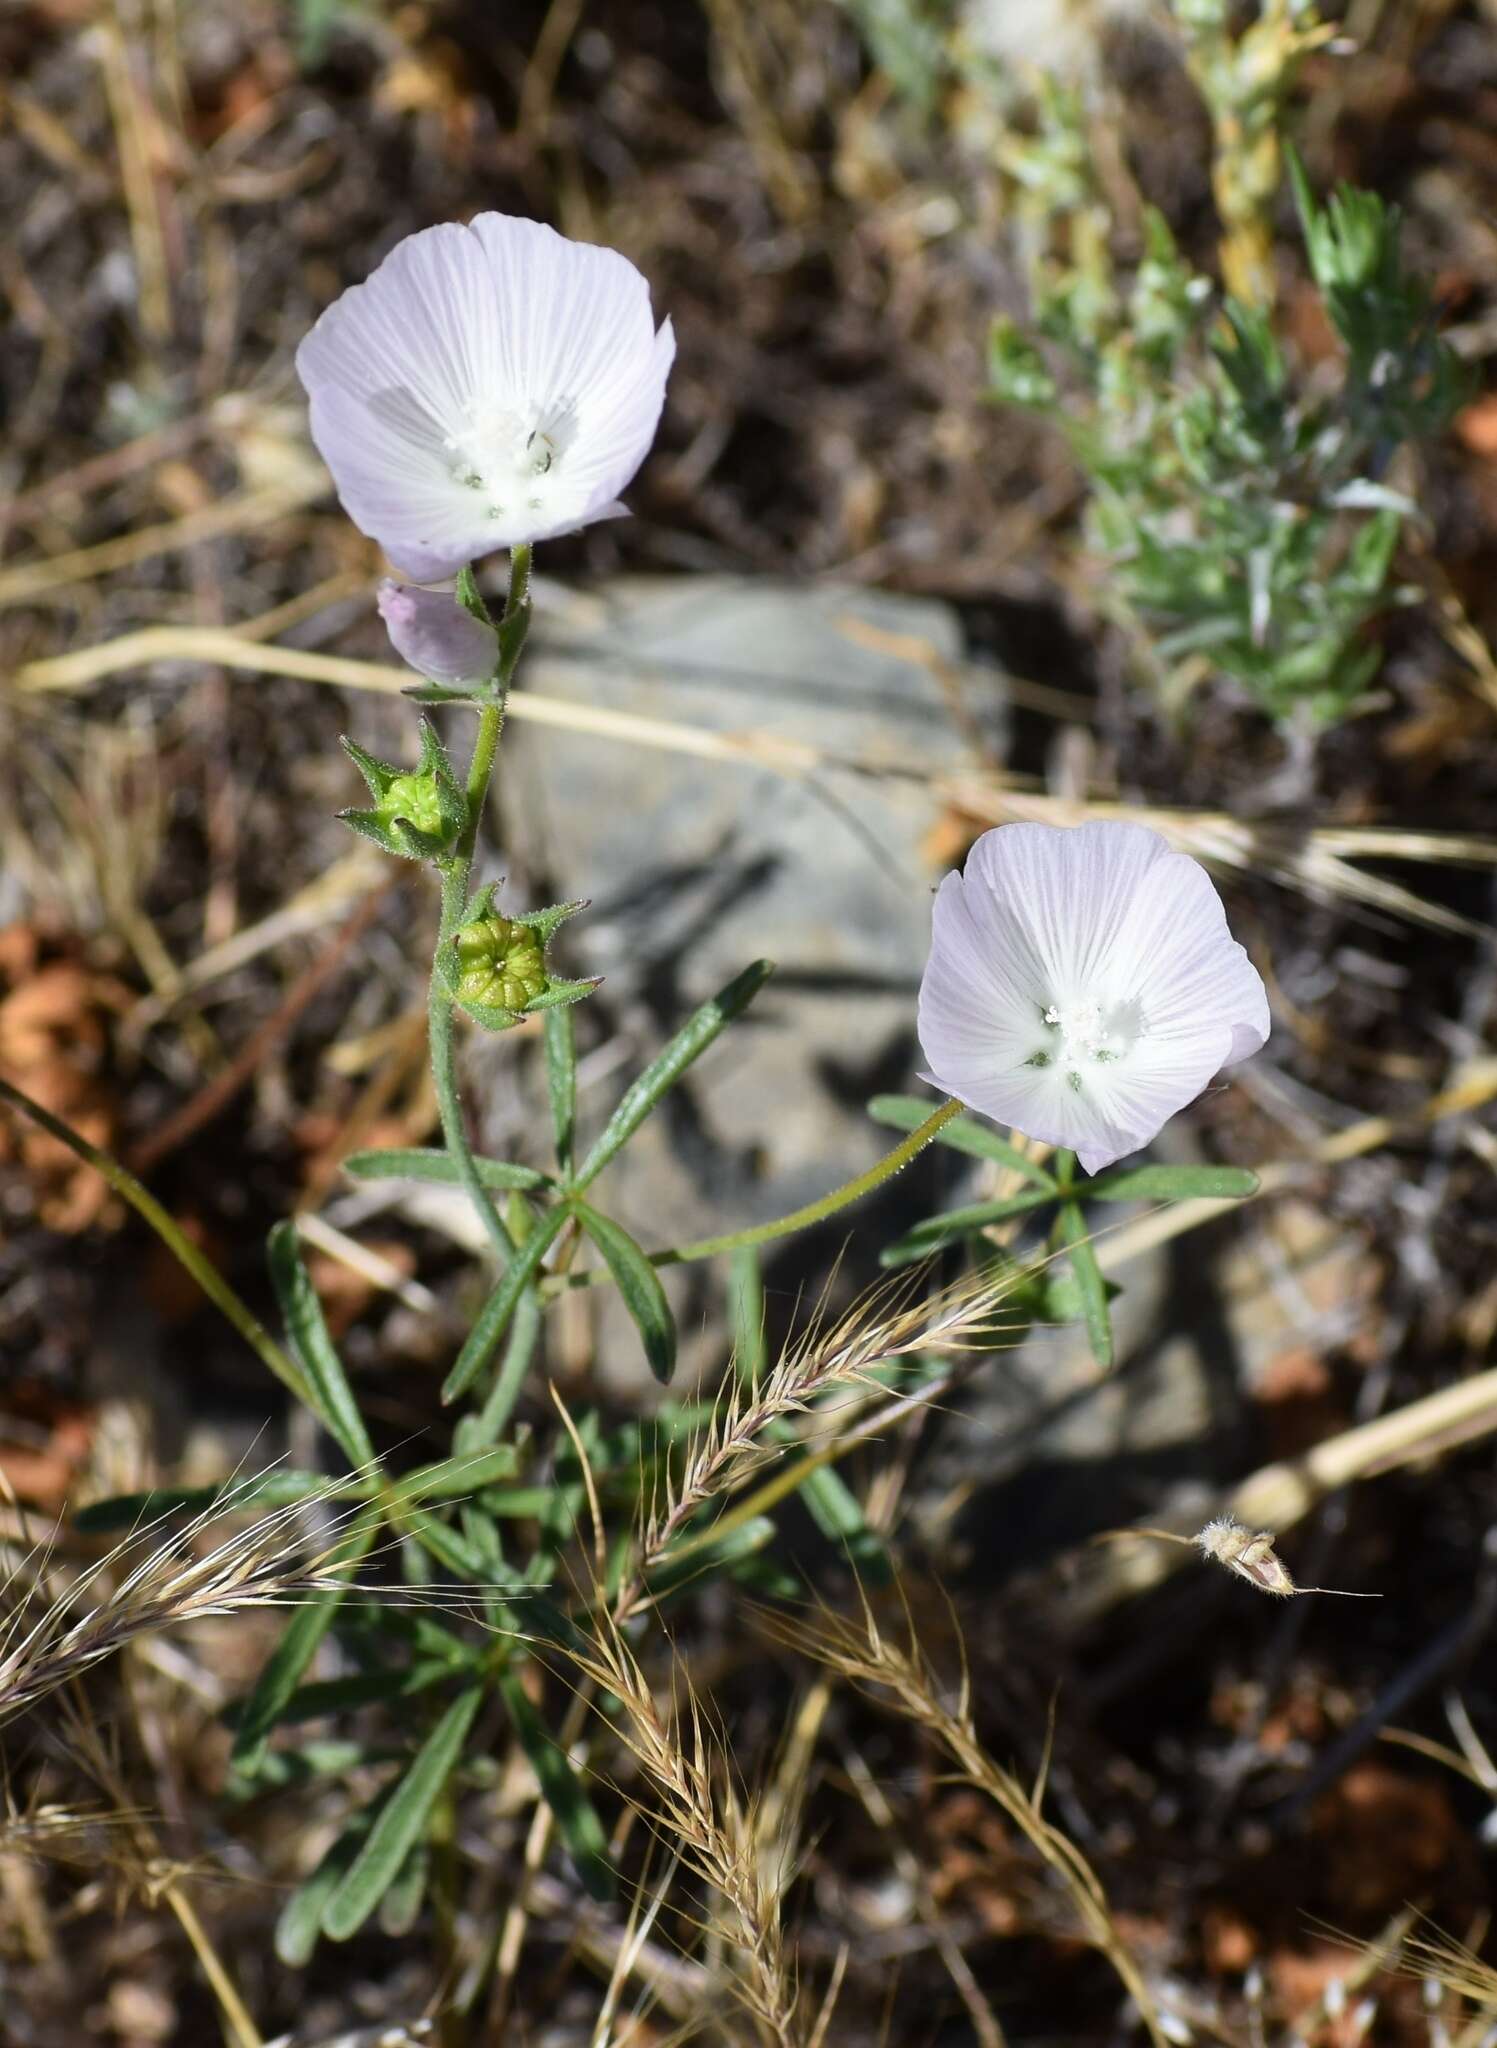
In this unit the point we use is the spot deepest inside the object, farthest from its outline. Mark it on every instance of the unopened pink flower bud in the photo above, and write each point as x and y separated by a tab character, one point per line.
431	630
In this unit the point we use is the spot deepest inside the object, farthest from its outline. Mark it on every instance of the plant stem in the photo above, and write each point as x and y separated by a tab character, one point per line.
826	1205
444	1070
799	1219
207	1275
455	880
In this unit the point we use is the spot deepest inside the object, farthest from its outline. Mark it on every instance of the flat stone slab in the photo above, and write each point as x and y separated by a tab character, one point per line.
696	867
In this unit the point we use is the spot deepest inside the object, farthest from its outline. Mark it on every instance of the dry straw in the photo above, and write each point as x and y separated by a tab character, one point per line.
711	1825
897	1674
46	1642
887	1325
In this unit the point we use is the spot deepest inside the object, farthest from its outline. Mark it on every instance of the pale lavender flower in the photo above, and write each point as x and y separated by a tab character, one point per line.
485	386
435	634
1083	986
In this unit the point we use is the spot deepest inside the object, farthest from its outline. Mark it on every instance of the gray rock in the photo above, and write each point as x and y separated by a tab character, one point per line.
695	868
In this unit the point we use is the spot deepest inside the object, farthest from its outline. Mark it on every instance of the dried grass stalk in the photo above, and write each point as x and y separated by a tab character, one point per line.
45	1642
861	1653
887	1324
710	1825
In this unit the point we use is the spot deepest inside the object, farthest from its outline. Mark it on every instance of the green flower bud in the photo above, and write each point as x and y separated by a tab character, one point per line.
419	813
495	966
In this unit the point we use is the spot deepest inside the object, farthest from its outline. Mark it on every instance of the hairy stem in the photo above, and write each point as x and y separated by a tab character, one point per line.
456	877
819	1211
207	1275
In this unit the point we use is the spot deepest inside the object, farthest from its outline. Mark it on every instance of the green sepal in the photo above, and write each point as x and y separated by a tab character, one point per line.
470	597
512	630
419	813
445	693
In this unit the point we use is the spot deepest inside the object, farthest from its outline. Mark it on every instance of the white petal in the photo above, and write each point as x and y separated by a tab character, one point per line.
462	326
1175	955
399	492
617	423
570	316
1102	914
423	322
1068	888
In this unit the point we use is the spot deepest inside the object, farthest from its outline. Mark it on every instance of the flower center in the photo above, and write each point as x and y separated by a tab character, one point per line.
1084	1032
513	456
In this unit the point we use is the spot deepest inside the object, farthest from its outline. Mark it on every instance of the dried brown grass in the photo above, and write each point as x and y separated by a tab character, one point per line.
50	1636
898	1675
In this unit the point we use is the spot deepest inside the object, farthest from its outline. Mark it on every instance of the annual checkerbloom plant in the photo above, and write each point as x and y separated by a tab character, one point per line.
1083	986
486	387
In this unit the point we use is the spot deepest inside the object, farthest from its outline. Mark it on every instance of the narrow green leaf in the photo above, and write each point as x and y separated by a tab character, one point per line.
450	1478
400	1908
529	1502
561	1082
274	1489
314	1349
838	1514
1060	1299
663	1072
479	1345
1172	1184
746	1314
401	1820
300	1921
427	1163
697	1557
938	1231
1089	1279
908	1112
295	1651
576	1816
488	1422
328	1696
450	1549
639	1288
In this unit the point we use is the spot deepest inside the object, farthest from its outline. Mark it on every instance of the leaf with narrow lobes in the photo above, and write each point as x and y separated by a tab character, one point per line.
401	1821
1093	1287
663	1072
429	1163
314	1348
576	1816
639	1288
962	1134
